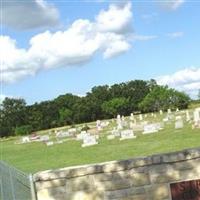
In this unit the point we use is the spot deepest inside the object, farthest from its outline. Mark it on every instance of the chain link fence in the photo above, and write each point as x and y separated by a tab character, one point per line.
15	184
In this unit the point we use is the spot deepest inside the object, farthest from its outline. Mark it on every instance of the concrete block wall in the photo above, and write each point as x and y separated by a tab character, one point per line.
144	178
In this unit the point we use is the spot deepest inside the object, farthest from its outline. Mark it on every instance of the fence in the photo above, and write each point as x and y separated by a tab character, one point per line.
15	184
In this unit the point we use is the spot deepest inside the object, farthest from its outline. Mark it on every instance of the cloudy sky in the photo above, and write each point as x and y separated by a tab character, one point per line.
50	47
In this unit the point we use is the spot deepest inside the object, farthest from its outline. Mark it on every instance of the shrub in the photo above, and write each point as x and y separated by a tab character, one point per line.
85	128
23	130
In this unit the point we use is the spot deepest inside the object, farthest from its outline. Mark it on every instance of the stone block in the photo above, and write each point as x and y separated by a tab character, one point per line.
140	179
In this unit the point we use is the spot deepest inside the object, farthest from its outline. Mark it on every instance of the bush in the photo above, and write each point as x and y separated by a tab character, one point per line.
85	128
23	130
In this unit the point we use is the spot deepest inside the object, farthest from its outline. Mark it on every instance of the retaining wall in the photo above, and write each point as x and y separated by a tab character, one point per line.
144	178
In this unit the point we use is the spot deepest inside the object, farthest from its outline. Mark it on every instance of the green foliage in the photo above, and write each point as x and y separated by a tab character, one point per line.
162	98
85	128
65	116
23	130
115	106
100	103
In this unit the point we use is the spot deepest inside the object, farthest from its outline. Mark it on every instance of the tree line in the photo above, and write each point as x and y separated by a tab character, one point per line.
102	102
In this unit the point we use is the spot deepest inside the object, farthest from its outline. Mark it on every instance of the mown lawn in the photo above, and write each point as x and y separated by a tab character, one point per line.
33	157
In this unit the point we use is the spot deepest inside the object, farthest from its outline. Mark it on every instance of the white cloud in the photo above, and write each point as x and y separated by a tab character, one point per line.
187	80
116	19
29	14
144	37
74	46
171	4
175	35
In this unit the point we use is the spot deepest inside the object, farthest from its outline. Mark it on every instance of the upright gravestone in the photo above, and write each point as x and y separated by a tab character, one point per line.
197	115
169	111
89	141
98	125
140	117
132	117
179	122
127	134
188	116
150	128
119	123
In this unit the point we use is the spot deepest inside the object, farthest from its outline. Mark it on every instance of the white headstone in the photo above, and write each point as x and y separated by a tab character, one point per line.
179	123
89	141
49	143
188	116
150	128
25	139
111	137
127	134
169	111
140	117
161	112
197	115
72	130
82	135
44	138
115	132
62	134
132	117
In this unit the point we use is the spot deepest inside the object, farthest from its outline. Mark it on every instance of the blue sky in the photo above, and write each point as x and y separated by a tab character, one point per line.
113	42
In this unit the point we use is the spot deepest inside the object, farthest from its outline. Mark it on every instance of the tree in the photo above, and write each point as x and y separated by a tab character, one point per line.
65	116
13	114
115	106
162	98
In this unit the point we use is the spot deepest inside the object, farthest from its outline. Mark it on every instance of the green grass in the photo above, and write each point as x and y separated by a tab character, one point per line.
33	157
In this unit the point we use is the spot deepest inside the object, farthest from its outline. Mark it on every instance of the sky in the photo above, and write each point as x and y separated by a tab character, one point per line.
53	47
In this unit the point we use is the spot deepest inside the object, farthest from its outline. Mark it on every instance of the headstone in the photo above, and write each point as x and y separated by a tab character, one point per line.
197	115
34	137
188	116
25	139
150	128
131	125
161	112
166	119
132	117
105	124
89	141
72	130
179	123
169	111
82	135
111	137
49	143
138	127
115	132
44	138
127	134
98	125
62	134
140	117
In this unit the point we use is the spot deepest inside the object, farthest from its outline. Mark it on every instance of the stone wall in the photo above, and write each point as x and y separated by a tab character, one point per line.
145	178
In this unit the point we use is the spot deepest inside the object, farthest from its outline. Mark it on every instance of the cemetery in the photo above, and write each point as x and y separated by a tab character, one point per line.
120	138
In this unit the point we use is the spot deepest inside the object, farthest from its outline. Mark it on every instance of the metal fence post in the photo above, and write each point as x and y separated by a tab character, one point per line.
12	185
33	189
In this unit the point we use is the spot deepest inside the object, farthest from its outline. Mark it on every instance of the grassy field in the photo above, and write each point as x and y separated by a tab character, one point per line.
33	157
